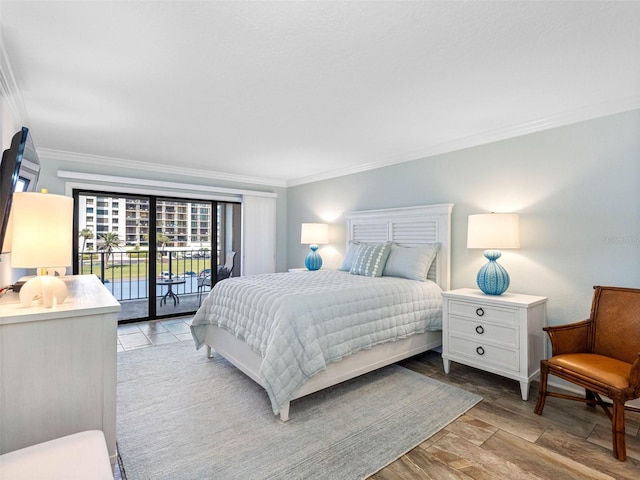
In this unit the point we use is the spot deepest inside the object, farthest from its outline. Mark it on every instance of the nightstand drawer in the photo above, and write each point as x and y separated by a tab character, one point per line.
480	352
482	311
481	330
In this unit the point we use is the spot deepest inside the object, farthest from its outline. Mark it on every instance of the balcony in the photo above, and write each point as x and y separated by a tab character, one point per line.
126	275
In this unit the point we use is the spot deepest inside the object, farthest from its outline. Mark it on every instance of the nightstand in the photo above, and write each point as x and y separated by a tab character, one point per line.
500	334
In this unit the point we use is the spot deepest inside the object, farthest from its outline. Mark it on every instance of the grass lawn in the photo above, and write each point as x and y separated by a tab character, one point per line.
139	269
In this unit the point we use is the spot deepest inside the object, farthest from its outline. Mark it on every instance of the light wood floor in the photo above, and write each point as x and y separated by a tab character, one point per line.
501	437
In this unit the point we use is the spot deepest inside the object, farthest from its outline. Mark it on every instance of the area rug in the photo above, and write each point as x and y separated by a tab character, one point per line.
183	416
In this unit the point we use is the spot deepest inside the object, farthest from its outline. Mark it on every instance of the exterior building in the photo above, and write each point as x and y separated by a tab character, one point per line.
187	224
101	215
137	212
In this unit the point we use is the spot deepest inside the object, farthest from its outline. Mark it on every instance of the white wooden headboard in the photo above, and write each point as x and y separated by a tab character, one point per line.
409	227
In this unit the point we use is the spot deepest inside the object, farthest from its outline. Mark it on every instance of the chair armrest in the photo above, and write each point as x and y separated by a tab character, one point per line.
571	338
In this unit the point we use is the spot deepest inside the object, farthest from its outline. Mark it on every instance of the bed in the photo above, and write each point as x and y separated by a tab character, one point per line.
297	333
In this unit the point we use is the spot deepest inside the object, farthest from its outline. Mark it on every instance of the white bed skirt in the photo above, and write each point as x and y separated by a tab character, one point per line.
245	359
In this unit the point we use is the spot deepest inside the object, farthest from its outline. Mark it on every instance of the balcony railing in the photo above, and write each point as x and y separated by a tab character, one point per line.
126	274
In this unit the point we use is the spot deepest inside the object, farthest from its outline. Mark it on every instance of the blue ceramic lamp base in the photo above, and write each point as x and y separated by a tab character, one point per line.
493	279
313	261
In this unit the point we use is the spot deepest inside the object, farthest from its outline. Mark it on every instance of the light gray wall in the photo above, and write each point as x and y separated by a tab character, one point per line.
576	188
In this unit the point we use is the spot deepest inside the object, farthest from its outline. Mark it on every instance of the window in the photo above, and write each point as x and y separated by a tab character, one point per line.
184	242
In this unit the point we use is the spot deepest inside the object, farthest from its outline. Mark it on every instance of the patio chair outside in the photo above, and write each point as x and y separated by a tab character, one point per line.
223	272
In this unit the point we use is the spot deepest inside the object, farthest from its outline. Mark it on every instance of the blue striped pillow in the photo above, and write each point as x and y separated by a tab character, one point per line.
370	260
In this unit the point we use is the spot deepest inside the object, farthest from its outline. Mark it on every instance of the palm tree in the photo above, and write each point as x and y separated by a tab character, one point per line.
107	243
161	240
86	234
161	243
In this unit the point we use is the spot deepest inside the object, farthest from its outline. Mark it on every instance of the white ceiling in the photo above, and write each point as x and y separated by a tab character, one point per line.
286	92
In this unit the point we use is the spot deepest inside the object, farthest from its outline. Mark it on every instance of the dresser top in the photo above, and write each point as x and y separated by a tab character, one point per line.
515	299
86	295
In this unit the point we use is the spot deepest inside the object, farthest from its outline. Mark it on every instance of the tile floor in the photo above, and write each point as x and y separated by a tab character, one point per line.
154	332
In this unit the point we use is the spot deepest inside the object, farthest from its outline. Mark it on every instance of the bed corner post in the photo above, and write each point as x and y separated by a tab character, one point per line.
208	352
284	412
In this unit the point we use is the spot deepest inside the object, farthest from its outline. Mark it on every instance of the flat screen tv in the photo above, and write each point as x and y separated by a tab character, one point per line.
18	173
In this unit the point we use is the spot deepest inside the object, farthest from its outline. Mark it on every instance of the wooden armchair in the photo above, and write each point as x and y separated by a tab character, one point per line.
602	355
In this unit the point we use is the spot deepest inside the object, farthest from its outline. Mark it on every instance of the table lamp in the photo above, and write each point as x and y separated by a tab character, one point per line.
493	231
42	239
314	234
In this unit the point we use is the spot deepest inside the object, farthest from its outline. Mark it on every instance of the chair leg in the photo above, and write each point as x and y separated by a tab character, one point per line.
618	433
542	391
591	398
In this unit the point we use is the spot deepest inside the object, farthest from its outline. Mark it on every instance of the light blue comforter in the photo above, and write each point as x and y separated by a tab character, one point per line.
300	322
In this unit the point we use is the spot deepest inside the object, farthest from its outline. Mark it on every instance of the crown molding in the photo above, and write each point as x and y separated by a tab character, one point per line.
589	112
11	93
85	159
9	87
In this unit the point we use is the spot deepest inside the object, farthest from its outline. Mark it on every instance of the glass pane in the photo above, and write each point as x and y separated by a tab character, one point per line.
184	258
114	244
117	255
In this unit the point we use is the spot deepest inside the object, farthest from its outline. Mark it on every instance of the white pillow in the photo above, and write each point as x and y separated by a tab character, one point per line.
410	262
352	249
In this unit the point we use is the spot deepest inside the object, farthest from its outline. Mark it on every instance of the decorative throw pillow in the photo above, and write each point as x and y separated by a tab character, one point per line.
352	249
370	259
410	262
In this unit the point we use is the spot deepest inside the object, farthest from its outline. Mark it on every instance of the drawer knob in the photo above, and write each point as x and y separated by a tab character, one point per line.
479	330
480	351
479	312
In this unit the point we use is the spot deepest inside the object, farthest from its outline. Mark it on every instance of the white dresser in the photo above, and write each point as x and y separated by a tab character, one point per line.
58	366
500	334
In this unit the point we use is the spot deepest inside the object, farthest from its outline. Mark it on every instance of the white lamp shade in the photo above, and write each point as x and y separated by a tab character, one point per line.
494	231
42	230
314	233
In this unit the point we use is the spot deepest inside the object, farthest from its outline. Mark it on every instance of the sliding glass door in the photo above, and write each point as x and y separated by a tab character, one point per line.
159	256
